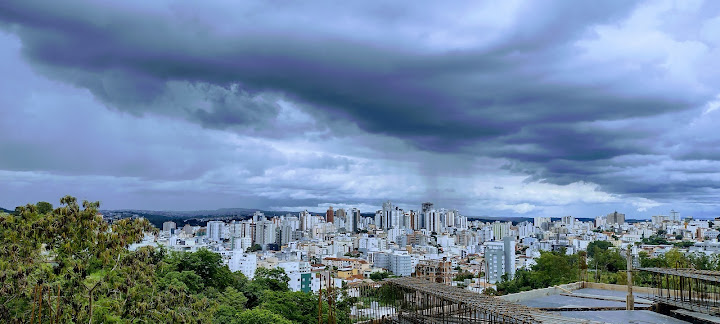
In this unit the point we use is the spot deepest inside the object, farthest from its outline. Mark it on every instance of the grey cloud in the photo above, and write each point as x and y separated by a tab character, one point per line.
523	95
436	101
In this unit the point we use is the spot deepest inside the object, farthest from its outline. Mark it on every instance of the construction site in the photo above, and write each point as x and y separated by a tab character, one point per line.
675	296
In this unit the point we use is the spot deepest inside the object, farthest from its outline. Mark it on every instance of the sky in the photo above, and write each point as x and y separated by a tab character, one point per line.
500	108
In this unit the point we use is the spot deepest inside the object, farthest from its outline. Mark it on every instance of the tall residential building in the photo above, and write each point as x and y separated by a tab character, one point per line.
396	218
542	222
330	215
615	218
401	264
500	230
245	263
349	220
340	213
408	219
600	221
656	220
258	216
500	259
215	230
450	218
306	221
387	211
357	219
426	207
414	220
264	233
433	221
167	226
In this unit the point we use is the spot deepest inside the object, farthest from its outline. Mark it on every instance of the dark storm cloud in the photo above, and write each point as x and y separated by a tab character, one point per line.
437	101
520	93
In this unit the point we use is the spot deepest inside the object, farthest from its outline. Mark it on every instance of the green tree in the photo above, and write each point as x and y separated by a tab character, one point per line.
463	275
254	248
551	268
609	260
71	250
555	268
44	207
204	263
233	298
265	280
297	306
274	279
597	245
259	316
380	275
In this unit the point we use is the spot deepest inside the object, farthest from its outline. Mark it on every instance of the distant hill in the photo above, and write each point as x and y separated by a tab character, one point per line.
3	210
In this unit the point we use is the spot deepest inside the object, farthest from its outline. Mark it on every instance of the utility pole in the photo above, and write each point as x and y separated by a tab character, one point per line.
630	297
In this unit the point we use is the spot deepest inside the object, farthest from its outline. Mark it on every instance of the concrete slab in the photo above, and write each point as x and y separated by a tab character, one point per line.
570	301
625	317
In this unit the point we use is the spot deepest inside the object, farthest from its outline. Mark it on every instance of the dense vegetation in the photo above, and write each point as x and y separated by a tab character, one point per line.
67	265
605	264
552	268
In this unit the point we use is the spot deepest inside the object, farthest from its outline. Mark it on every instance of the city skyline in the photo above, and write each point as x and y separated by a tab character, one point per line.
499	109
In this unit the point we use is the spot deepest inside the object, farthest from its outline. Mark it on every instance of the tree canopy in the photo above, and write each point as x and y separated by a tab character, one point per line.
69	265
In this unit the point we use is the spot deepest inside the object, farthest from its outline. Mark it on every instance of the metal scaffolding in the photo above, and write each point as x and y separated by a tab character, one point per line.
696	291
413	300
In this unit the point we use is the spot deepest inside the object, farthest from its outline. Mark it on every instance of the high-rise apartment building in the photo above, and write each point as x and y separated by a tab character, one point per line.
356	219
306	221
426	207
500	259
615	218
258	216
215	230
433	221
386	218
330	215
500	230
167	226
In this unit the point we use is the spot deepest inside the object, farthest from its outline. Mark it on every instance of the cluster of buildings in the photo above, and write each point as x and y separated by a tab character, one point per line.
344	247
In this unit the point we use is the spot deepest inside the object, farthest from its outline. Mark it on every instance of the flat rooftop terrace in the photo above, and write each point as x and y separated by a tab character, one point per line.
568	301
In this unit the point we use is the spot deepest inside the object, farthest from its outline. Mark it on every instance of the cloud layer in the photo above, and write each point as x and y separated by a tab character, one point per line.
568	107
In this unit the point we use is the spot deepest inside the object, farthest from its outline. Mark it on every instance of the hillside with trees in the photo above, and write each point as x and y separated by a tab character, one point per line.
68	265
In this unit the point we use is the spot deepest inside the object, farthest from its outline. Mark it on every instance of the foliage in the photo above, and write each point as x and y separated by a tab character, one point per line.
674	258
684	244
84	271
597	245
265	280
254	248
551	268
378	276
44	207
464	275
608	260
656	240
490	291
203	264
298	307
258	316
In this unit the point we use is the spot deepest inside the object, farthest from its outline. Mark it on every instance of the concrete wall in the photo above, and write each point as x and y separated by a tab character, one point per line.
604	286
532	294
